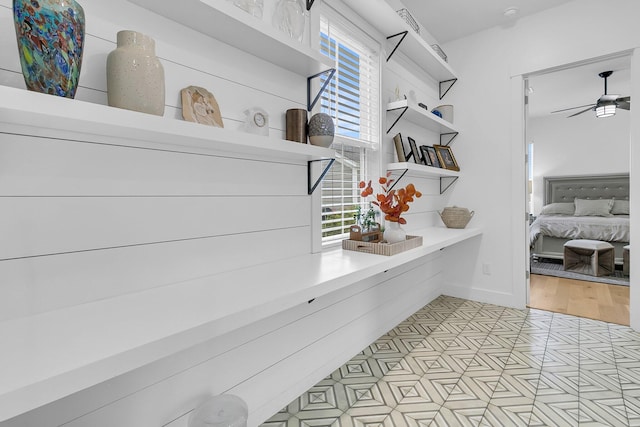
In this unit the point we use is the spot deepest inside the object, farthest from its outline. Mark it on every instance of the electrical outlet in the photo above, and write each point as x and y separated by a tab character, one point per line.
486	269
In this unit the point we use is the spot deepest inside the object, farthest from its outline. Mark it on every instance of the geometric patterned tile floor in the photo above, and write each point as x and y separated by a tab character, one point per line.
462	363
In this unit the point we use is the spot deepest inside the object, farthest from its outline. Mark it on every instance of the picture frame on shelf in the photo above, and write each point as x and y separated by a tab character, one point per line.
415	152
425	155
431	154
200	106
403	156
446	158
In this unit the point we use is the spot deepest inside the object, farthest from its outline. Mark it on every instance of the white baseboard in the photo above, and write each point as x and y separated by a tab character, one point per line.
481	295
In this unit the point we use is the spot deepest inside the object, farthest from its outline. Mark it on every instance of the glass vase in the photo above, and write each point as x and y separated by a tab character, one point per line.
289	17
253	7
50	36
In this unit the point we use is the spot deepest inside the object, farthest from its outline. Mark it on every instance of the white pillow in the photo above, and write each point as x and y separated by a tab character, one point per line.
558	209
620	207
598	207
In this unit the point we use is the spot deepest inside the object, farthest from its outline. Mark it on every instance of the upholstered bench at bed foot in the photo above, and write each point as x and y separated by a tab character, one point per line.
625	260
591	257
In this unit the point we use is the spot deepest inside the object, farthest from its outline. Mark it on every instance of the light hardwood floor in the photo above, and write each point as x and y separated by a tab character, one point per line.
600	301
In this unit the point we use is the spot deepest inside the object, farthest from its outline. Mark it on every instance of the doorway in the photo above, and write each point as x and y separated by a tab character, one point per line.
563	137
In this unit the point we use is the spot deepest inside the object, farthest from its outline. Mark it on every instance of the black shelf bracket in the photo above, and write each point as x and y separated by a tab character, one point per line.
447	138
445	85
403	34
309	4
404	110
404	172
330	72
311	185
447	181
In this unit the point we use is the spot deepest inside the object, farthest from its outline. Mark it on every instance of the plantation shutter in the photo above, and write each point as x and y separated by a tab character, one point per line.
352	99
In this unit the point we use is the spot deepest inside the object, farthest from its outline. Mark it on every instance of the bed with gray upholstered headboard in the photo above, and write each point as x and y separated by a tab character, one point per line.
582	207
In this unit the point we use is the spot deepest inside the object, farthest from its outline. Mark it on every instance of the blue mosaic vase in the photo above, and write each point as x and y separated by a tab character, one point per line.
50	35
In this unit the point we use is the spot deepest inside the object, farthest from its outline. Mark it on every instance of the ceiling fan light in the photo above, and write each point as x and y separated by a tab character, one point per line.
607	110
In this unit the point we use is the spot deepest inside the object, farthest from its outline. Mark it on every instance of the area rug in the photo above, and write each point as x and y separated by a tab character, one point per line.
551	267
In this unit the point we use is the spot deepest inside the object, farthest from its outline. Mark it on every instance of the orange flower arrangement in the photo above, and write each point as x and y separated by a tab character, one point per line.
393	203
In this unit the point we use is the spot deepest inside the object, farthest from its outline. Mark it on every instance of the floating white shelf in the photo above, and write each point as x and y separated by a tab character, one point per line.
382	16
447	177
422	117
222	20
24	109
414	169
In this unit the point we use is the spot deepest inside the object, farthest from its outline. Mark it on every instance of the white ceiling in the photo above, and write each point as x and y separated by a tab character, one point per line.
448	20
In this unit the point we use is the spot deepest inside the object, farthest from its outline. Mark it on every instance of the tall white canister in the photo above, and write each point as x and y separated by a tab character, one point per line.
135	77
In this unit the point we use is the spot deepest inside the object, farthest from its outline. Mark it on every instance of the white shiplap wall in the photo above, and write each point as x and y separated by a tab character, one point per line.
88	220
85	220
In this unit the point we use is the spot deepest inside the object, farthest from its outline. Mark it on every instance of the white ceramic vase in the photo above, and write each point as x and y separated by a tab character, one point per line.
394	233
135	77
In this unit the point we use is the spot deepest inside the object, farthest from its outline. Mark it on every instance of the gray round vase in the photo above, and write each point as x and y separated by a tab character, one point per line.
321	130
135	77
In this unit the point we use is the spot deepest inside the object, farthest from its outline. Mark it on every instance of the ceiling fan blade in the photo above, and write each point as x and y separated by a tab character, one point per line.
580	112
625	105
624	99
572	108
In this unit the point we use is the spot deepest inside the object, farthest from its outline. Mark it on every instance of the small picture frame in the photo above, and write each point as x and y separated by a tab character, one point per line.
414	151
402	155
430	155
425	155
200	106
445	156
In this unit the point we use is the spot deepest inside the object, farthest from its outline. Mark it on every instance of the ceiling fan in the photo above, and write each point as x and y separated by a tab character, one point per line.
606	105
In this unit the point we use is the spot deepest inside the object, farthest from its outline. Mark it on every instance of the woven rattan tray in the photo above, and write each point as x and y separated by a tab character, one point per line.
382	248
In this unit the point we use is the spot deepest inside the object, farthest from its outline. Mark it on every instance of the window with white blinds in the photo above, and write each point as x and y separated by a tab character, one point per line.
352	99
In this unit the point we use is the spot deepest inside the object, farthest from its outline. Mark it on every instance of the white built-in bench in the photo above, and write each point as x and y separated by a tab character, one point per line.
52	355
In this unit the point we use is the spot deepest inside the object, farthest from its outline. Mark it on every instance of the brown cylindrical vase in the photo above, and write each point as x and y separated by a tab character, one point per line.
296	120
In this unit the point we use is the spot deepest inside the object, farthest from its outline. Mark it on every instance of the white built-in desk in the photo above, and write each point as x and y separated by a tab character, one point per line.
51	355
